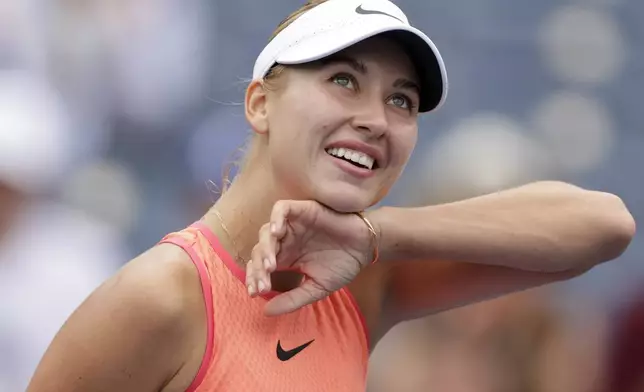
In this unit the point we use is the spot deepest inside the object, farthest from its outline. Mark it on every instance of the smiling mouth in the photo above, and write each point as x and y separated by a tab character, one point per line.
356	158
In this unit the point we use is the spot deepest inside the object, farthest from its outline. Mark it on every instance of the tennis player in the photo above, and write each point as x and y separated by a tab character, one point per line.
333	104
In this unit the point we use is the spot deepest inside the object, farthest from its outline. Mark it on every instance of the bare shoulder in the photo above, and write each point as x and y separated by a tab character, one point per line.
160	287
165	271
136	332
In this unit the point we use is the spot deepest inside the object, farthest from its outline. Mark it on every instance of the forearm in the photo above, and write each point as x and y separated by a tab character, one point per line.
544	226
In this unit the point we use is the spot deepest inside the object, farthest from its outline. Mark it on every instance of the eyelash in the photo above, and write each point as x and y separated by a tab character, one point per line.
410	105
344	75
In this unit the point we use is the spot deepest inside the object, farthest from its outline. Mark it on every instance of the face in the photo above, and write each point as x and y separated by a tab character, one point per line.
341	131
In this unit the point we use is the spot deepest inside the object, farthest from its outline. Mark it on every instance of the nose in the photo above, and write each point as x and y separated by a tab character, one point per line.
372	119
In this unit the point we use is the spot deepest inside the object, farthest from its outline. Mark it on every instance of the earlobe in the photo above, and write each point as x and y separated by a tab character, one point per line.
256	109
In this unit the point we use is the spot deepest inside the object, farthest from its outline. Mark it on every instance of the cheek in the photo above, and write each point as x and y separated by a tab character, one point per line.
287	124
403	146
303	118
297	129
401	152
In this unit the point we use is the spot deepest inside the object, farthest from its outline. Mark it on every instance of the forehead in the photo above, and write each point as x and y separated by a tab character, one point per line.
383	52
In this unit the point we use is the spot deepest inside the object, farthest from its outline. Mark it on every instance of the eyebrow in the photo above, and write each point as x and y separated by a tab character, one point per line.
407	84
358	66
361	68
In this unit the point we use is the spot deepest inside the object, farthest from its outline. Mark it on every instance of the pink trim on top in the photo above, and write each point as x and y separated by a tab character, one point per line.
221	251
206	288
228	260
241	275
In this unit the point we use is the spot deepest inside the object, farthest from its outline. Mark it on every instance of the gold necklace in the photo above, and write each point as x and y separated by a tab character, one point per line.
230	237
372	231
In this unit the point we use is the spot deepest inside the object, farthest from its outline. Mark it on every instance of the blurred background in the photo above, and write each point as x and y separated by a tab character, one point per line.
115	115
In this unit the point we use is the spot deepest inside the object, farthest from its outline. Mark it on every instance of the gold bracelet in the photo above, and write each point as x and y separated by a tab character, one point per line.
374	235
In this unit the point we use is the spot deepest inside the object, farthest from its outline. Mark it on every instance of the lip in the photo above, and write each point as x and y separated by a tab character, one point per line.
350	168
373	152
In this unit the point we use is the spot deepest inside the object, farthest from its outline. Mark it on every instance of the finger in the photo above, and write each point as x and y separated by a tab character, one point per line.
284	210
307	293
268	247
257	278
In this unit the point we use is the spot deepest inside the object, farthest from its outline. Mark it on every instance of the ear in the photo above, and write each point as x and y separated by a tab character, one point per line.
256	108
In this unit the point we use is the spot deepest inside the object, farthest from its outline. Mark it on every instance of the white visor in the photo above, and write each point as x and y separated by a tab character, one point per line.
337	24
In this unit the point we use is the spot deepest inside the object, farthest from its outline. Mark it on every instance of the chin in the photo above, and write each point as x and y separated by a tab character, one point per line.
345	201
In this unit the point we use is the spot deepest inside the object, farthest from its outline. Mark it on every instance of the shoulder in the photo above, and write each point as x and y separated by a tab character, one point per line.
138	330
162	280
161	289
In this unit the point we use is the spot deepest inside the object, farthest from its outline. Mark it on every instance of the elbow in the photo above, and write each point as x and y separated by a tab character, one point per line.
598	225
621	228
605	214
615	224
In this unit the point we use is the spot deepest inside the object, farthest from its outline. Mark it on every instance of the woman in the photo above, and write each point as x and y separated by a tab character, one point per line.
340	81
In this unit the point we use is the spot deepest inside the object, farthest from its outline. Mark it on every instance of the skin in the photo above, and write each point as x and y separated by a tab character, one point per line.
150	317
11	202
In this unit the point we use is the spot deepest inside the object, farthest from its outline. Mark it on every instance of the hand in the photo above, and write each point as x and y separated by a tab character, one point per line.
327	247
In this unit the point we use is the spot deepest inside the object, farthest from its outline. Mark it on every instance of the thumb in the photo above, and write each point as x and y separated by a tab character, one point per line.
307	293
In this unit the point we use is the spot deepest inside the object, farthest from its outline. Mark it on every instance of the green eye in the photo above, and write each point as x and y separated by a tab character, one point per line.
400	101
344	81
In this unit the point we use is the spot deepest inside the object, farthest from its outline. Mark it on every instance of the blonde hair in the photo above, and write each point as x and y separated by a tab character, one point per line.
238	158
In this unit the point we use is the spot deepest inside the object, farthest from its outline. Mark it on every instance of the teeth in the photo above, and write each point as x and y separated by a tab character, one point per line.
352	155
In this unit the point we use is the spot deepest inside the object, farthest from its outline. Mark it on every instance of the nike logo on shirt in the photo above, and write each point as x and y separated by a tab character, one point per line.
285	355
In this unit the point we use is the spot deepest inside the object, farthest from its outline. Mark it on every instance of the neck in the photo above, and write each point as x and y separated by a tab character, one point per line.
243	208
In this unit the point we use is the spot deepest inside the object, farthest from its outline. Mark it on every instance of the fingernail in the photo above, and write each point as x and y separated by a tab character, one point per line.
261	286
251	289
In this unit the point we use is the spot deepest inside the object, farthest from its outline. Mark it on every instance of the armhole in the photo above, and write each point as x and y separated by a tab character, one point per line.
206	288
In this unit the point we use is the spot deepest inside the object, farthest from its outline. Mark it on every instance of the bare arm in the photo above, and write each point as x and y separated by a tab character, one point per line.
132	334
545	227
502	242
442	257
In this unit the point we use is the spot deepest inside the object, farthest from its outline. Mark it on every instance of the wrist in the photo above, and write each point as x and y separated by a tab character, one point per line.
373	238
379	220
